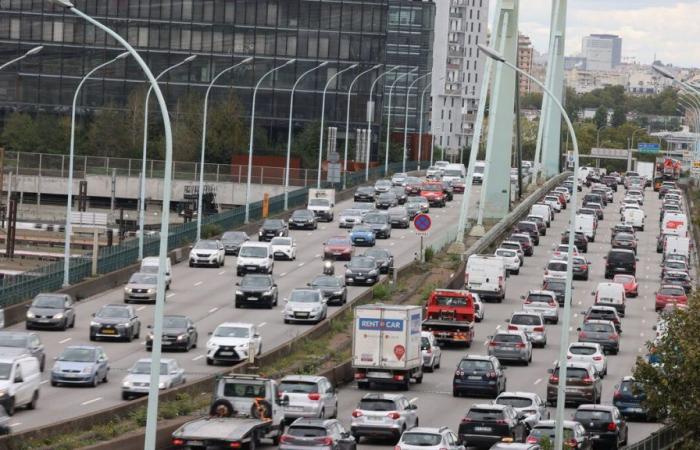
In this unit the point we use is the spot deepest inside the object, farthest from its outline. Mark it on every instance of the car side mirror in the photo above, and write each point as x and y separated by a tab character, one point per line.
550	370
522	297
578	329
18	379
271	257
507	320
256	335
237	283
93	314
149	326
308	284
592	292
210	333
28	306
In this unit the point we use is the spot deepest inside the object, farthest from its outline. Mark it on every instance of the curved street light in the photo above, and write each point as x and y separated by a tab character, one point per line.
370	116
30	52
388	116
405	117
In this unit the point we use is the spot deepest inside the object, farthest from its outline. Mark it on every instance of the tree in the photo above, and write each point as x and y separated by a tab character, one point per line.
53	133
618	117
109	134
672	386
187	133
601	117
20	133
305	144
226	133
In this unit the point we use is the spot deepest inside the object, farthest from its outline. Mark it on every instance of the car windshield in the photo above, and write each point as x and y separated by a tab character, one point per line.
506	253
302	214
485	414
253	251
174	322
362	263
582	350
273	223
48	301
673	291
298	387
547	431
365	190
623	279
234	236
351	213
444	300
421	439
77	354
387	196
255	281
525	319
377	404
306	431
508	338
339	241
377	254
13	340
431	187
250	389
631	387
232	332
598	328
479	169
143	278
144	367
149	269
424	343
361	229
512	246
675	265
475	365
515	402
376	218
326	281
319	202
538	298
556	287
573	372
557	266
5	371
624	237
281	241
304	296
383	183
587	415
112	312
206	245
417	200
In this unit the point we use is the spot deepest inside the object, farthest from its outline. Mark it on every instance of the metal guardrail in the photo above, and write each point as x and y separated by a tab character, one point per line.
665	438
17	288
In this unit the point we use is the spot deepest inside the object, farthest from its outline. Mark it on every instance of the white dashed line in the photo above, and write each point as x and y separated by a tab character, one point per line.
392	244
222	272
262	324
283	274
199	283
172	294
580	303
97	399
213	310
309	233
403	237
644	321
498	327
64	341
301	264
639	350
16	424
323	227
140	308
143	342
641	334
317	255
44	382
538	381
197	358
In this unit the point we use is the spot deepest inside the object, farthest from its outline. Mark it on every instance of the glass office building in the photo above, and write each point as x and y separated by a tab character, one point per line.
221	33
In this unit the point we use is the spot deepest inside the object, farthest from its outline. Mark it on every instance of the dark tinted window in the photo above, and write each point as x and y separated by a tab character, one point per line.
668	290
485	414
472	365
598	328
582	350
586	415
620	257
372	404
515	402
305	431
525	319
298	387
573	372
630	387
421	439
508	338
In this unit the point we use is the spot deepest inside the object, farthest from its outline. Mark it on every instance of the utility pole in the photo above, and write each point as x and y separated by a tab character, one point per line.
518	137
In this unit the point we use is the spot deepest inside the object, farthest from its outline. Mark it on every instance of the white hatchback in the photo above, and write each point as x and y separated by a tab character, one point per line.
510	258
284	248
589	352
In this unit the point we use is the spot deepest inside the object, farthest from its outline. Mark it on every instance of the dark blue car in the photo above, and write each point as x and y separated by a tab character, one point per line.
629	398
362	236
478	375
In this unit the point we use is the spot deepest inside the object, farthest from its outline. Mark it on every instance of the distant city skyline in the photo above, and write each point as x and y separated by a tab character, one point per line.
649	28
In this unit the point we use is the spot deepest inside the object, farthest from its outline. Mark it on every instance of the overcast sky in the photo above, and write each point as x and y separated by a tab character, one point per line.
669	29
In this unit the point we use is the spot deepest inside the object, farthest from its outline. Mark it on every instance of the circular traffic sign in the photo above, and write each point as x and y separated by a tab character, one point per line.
422	222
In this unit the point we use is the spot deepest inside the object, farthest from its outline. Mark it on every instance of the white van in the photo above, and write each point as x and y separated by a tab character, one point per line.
486	275
611	294
634	217
585	223
677	245
454	173
544	210
20	379
150	264
255	257
479	169
675	223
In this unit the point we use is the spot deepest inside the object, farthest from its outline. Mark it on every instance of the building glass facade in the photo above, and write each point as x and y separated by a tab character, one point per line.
221	33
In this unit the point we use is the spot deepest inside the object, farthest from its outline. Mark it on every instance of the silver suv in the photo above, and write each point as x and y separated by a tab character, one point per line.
429	439
510	346
530	323
309	396
383	416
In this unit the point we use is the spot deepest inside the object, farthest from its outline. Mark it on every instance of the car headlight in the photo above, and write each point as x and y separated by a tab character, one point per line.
58	316
161	385
281	232
87	370
239	293
127	290
121	325
182	337
94	324
149	337
150	290
260	233
211	345
338	292
373	272
30	315
126	384
348	273
267	293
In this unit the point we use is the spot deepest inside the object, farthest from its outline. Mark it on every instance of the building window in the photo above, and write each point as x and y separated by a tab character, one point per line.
14	29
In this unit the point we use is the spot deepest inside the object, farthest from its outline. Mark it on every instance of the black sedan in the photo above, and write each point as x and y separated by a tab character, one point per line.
383	257
179	333
678	278
387	200
272	228
580	241
362	270
256	290
303	218
401	195
233	240
332	288
364	194
115	322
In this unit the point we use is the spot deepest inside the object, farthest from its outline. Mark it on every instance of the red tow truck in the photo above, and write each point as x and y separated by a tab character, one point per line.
449	315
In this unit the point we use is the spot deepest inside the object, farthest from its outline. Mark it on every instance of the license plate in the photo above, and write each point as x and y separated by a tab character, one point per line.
302	314
379	374
294	408
360	239
359	277
252	299
44	320
193	443
337	253
482	429
476	284
473	377
226	353
375	419
109	332
251	267
571	391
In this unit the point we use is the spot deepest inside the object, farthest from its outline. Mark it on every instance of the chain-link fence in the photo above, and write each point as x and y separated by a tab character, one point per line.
665	438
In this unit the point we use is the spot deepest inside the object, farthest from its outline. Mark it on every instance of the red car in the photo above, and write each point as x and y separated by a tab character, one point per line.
338	248
629	282
670	294
434	193
561	196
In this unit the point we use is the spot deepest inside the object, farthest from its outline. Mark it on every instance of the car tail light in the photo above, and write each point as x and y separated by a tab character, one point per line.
315	396
587	380
500	280
491	375
531	440
327	440
178	441
615	336
429	351
572	443
512	328
553	379
584	267
234	445
528	301
617	395
394	415
466	420
612	426
597	358
492	344
357	413
538	329
569	356
398	377
285	439
501	422
552	303
520	345
581	335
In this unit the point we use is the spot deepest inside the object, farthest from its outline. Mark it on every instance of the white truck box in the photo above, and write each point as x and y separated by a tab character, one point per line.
675	223
585	223
321	202
646	170
677	245
634	217
486	276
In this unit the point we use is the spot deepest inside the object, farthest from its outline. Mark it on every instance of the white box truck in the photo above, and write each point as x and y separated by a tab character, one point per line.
486	275
585	224
677	245
321	202
646	170
675	223
386	345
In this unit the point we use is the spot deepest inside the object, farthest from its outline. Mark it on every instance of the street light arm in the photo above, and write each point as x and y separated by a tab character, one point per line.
371	116
30	52
405	118
388	124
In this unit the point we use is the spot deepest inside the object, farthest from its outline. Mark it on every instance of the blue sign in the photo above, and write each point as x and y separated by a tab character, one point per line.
422	222
646	147
381	324
415	324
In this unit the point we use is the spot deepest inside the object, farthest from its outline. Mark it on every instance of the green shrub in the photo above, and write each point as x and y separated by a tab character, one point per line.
381	292
210	230
429	254
139	416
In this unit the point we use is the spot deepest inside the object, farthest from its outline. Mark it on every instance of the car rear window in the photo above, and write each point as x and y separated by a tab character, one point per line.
582	350
306	431
671	291
620	257
540	432
630	387
470	365
298	387
598	327
557	266
525	319
588	415
538	298
375	404
573	372
515	402
507	338
485	414
421	439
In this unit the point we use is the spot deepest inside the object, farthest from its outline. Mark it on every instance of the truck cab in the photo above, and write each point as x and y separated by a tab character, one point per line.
449	315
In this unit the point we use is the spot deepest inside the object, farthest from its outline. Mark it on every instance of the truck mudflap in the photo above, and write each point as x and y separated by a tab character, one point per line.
448	331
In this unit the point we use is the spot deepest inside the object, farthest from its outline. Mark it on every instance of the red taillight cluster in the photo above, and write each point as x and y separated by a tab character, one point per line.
554	379
466	420
512	328
520	345
614	336
492	375
394	415
360	375
315	396
538	329
357	413
178	441
587	380
581	334
501	422
532	440
234	445
398	377
612	426
597	358
284	439
617	395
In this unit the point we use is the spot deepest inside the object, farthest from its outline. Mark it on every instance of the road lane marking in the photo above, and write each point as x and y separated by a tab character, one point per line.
301	264
212	310
309	233
538	381
323	227
283	274
392	244
16	424
197	358
64	341
222	272
317	255
140	308
172	294
96	399
644	321
403	237
641	334
262	324
199	283
498	327
44	382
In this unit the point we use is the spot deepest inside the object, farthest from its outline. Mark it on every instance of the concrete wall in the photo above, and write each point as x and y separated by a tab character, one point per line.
128	188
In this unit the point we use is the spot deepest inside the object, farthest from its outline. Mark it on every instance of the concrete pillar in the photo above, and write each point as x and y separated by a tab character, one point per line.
495	192
549	137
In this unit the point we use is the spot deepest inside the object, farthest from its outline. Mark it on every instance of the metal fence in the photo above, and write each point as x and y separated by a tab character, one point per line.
15	289
665	438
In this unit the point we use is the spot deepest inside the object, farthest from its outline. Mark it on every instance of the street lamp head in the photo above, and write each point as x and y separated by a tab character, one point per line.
247	60
190	58
353	66
323	64
663	72
64	3
122	55
491	53
290	61
34	51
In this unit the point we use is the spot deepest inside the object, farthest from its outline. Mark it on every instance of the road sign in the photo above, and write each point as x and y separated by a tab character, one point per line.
648	148
614	153
695	167
422	222
88	219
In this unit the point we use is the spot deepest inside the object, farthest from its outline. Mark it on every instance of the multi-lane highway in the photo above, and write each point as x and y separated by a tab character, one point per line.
206	296
437	406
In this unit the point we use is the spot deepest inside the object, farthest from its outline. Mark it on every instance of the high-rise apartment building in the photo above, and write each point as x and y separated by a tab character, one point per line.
602	51
457	70
525	53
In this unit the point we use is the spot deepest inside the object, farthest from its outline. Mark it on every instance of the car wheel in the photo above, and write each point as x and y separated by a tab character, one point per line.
191	264
437	366
138	332
125	396
64	325
95	381
54	383
217	264
72	322
11	407
455	392
104	378
35	399
43	362
210	362
93	338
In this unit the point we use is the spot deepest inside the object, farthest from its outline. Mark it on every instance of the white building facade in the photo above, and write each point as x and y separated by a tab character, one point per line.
602	51
457	70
